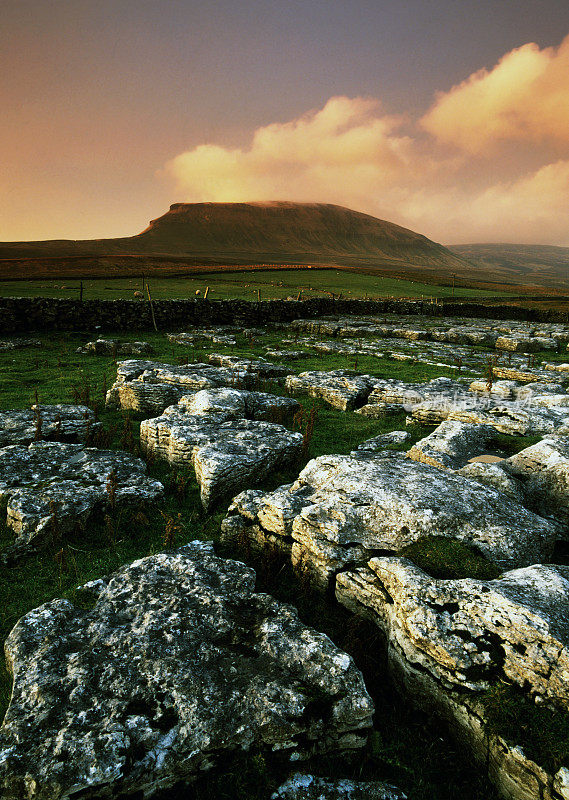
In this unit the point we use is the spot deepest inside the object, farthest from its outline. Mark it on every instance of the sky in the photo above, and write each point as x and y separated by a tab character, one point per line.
446	116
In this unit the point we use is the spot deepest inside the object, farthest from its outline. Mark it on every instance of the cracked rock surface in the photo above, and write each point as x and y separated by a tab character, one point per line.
48	487
59	422
467	633
340	388
148	387
341	509
452	444
228	452
544	470
159	669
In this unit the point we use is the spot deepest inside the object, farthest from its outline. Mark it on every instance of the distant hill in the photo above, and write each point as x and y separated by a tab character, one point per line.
225	234
520	263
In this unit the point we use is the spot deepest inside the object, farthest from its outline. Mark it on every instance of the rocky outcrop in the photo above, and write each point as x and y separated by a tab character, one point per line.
114	347
528	344
48	488
378	444
451	640
310	787
406	396
342	510
227	455
18	344
240	365
62	423
238	404
147	387
452	444
496	476
341	388
544	469
148	677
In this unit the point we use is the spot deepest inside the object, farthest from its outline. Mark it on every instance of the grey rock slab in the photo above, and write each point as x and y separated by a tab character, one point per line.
342	389
496	476
67	423
352	507
239	404
452	444
265	369
544	469
148	387
48	487
114	347
18	344
310	787
379	443
466	633
227	456
167	665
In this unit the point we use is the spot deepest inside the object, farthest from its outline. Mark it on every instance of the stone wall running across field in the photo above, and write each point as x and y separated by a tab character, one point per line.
18	314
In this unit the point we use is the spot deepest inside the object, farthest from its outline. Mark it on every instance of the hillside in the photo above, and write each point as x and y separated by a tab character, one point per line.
210	234
521	263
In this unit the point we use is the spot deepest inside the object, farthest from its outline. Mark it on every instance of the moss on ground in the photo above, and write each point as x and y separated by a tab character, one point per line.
441	557
541	730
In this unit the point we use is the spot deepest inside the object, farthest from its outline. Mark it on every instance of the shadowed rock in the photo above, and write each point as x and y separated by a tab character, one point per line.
114	347
63	423
340	388
48	488
151	675
310	787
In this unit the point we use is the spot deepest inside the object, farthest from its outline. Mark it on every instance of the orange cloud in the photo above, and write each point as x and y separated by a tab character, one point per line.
351	153
346	149
524	97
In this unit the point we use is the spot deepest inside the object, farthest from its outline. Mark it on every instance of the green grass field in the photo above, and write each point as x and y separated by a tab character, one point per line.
406	746
243	285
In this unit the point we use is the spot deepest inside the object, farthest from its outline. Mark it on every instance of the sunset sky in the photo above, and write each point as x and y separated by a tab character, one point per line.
446	116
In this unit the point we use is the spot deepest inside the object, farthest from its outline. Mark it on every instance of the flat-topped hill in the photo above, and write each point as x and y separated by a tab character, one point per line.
260	233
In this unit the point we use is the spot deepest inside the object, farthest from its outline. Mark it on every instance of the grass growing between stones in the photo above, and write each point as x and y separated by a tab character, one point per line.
441	557
515	717
405	747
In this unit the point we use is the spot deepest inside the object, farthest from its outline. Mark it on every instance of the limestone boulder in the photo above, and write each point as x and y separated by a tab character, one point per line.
240	365
47	488
227	455
544	469
452	444
150	676
63	423
18	344
148	387
466	633
351	508
114	347
496	476
239	404
379	443
342	389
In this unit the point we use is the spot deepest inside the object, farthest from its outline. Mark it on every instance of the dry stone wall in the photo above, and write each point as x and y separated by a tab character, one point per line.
18	314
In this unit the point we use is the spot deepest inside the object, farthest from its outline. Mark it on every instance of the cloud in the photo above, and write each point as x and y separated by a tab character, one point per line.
530	209
345	152
352	153
524	97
